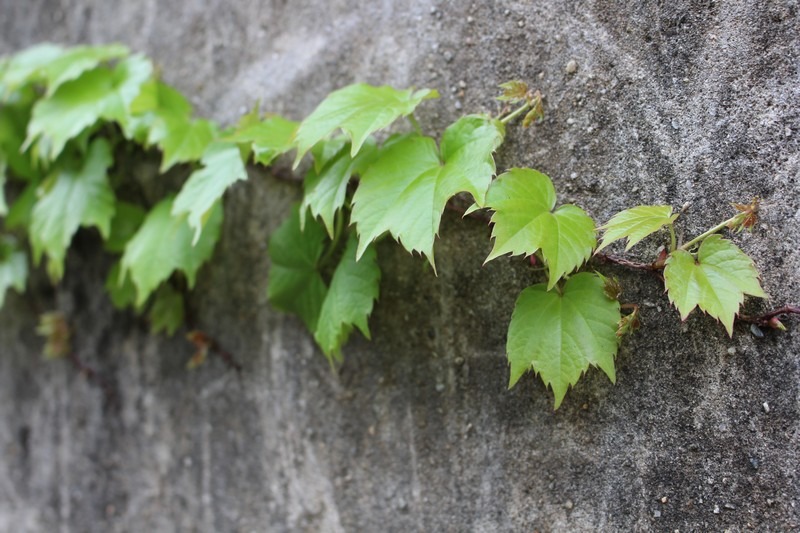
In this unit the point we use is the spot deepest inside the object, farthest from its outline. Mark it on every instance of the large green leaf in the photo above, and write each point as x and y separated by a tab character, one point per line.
72	198
358	110
101	93
163	244
559	336
268	138
295	284
325	189
13	268
406	188
524	222
716	280
636	224
222	167
351	295
183	140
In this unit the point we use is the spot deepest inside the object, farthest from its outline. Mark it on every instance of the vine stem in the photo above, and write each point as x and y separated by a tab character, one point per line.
764	319
731	222
517	112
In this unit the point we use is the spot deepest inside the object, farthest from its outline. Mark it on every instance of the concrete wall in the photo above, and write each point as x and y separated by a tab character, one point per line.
672	102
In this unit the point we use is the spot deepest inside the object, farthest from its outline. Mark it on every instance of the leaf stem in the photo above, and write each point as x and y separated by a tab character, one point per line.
731	222
413	120
517	112
673	241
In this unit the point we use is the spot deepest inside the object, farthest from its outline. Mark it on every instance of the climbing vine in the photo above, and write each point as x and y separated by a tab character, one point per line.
64	110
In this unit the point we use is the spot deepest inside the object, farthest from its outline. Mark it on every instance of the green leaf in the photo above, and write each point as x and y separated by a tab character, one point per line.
295	284
716	280
636	224
222	167
167	311
102	93
163	244
559	336
353	290
120	289
153	111
127	220
325	189
72	198
524	222
13	267
23	66
13	121
406	188
183	140
268	138
21	211
3	204
359	110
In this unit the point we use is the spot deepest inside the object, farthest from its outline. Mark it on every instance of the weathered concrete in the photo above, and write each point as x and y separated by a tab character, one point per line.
686	101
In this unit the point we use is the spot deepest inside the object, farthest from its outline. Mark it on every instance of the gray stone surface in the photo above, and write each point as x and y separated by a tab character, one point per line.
656	102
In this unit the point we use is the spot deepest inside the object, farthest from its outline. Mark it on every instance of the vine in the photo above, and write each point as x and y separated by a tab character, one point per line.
56	149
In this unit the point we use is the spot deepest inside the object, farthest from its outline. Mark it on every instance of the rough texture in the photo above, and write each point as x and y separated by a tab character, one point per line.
666	102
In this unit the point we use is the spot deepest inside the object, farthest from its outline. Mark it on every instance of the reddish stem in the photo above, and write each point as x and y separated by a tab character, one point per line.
764	319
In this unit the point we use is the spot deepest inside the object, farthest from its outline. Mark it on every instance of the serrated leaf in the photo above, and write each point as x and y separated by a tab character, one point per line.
120	288
167	311
524	222
127	220
513	91
19	68
635	224
13	268
349	300
163	244
101	93
222	167
325	189
406	188
295	284
716	280
183	140
559	336
72	198
268	138
358	110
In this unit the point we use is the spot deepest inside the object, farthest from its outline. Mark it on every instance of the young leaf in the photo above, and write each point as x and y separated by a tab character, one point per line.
183	140
559	336
358	110
164	244
716	280
222	167
120	289
325	189
77	104
295	284
13	267
636	224
268	138
353	290
406	188
72	198
513	91
524	222
167	311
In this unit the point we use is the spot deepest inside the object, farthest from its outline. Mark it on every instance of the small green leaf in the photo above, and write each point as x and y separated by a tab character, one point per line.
559	336
325	189
167	311
268	138
183	140
524	222
351	295
127	220
406	188
13	267
636	224
72	198
121	290
163	244
222	167
513	91
295	285
359	110
102	93
716	280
